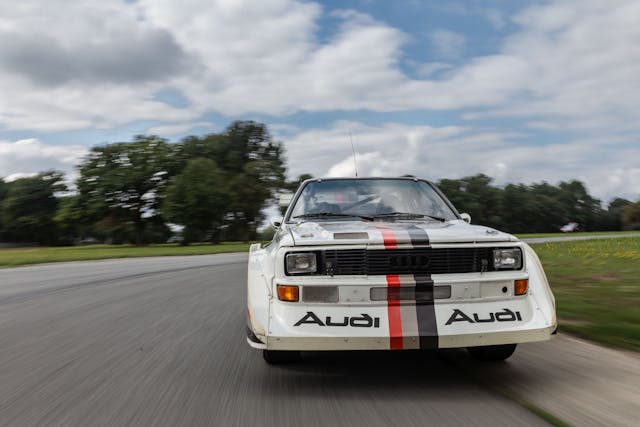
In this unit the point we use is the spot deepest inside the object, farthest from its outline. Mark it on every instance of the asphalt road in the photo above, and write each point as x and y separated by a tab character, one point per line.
161	341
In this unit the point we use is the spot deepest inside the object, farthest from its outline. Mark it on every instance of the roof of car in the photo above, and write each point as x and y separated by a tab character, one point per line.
406	178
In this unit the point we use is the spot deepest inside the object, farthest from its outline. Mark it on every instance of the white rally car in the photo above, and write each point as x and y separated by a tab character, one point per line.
388	263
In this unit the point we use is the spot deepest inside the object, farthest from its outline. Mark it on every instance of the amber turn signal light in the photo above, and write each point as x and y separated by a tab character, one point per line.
520	287
288	293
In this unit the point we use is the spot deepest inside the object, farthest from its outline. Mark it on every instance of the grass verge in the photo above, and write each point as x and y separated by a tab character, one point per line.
586	233
597	288
541	413
35	255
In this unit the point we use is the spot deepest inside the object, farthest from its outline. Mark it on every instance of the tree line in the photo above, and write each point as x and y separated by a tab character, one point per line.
539	207
215	187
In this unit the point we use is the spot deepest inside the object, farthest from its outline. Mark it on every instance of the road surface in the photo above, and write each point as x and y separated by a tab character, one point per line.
161	341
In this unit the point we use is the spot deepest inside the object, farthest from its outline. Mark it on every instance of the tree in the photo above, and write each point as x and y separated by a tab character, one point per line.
258	170
68	219
196	199
579	205
121	185
631	216
615	212
546	212
29	206
3	195
252	165
475	196
517	208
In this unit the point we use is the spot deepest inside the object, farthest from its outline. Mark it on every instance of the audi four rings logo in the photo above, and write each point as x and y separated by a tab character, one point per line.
408	261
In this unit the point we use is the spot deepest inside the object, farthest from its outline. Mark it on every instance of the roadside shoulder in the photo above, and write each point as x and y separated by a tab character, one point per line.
577	381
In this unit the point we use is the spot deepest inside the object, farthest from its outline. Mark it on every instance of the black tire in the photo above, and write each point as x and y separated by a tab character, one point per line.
276	357
492	353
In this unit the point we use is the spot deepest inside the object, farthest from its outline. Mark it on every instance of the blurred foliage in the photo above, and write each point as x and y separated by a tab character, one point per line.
197	199
28	206
121	185
250	169
215	186
631	216
267	233
535	208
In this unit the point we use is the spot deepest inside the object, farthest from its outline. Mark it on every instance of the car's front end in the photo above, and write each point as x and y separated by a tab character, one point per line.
383	283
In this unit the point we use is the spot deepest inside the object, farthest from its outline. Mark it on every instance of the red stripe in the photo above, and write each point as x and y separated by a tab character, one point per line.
389	238
393	305
393	313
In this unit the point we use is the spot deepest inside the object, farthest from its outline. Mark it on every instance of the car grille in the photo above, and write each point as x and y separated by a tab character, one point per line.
405	261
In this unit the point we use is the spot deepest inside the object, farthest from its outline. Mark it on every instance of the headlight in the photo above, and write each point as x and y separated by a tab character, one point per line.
301	262
507	259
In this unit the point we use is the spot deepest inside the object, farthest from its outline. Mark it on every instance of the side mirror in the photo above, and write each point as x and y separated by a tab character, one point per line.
285	199
276	221
466	217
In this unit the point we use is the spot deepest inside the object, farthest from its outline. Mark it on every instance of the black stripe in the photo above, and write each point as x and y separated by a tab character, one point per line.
418	236
425	311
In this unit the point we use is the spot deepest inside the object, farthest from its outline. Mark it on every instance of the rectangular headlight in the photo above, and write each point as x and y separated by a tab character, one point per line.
507	259
301	262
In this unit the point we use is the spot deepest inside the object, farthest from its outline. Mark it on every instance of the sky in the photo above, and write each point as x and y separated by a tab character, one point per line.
524	91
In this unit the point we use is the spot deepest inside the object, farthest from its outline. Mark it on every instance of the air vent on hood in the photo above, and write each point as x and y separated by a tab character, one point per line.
345	236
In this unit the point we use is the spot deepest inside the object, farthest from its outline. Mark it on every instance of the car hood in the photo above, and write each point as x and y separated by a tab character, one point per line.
361	232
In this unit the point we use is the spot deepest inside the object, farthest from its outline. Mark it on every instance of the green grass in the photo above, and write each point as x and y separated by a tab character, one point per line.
589	233
36	255
597	288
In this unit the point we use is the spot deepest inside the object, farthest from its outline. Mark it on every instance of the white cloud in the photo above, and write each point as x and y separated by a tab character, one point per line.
571	62
177	128
18	175
495	17
445	43
393	149
431	68
27	157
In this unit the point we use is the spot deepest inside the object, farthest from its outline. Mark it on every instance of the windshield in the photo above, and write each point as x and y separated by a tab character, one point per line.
369	199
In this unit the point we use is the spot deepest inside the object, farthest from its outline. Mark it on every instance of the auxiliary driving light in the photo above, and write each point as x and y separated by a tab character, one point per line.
320	294
288	293
520	287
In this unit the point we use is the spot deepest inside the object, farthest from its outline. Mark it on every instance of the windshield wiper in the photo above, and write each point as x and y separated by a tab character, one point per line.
408	215
331	214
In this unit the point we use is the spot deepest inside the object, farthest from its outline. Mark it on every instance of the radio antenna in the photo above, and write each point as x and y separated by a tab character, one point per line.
355	164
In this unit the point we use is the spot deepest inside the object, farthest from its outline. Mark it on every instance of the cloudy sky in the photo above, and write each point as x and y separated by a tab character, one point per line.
522	91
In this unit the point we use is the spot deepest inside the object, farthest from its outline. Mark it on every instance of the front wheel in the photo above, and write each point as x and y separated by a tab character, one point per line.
275	357
492	353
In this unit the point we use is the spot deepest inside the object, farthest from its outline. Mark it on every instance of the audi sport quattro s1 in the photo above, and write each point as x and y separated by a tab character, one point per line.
389	263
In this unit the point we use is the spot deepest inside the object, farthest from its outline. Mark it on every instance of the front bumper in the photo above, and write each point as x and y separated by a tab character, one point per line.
406	325
383	343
